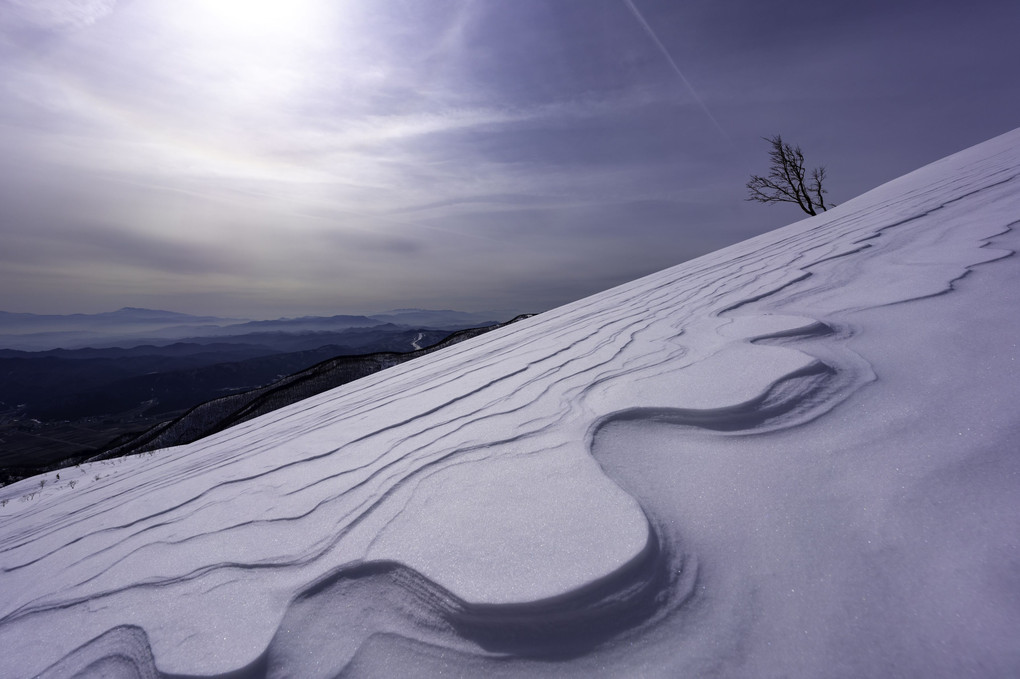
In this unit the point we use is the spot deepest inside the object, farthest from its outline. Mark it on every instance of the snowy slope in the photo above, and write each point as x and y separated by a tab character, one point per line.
794	457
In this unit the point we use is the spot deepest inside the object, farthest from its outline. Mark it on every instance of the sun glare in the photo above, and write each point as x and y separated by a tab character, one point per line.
262	18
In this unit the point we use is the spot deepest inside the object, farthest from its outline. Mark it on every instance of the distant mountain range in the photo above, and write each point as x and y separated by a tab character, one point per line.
132	327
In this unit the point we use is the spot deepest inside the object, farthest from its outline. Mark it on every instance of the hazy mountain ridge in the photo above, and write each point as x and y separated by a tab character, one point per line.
130	327
35	332
144	350
124	315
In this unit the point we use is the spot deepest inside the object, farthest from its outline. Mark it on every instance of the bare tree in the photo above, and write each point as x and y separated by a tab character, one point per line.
787	180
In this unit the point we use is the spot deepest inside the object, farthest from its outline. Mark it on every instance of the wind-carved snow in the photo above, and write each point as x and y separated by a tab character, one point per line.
738	466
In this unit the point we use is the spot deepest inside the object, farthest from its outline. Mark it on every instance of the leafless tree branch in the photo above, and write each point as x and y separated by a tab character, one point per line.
785	182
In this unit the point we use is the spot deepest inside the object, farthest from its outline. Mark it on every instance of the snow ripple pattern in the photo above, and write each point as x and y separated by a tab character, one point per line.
462	506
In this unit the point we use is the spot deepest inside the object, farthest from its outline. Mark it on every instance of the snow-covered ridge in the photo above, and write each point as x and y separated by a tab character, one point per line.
721	467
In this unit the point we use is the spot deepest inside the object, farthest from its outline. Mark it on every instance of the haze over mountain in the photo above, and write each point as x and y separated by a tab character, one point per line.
792	457
131	327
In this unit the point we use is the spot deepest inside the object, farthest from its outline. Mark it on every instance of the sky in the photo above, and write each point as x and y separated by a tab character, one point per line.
267	158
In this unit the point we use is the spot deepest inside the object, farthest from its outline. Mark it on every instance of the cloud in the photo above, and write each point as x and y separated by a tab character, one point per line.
103	246
53	15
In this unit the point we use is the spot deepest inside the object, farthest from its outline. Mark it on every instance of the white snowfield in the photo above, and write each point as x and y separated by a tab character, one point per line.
795	457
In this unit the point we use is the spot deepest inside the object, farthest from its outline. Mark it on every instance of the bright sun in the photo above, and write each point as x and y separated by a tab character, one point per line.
262	18
250	55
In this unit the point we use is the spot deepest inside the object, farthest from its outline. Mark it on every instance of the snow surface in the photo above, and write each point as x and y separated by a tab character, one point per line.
795	457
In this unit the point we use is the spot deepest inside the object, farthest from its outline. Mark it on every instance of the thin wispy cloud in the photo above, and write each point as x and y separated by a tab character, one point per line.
676	69
55	15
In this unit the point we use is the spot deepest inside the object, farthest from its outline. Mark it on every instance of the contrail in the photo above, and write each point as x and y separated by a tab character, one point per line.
676	69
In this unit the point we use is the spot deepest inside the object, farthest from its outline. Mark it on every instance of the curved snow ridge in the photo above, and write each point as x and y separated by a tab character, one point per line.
124	652
402	601
405	602
121	652
754	373
789	398
655	581
760	327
